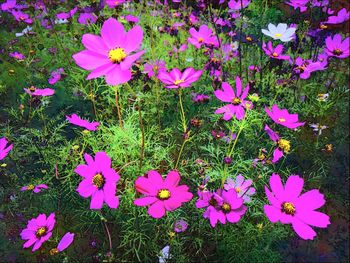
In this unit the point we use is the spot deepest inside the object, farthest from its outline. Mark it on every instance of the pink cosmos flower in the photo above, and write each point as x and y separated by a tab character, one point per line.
100	181
238	4
236	99
335	47
3	149
65	242
289	207
33	91
241	186
55	76
38	231
203	36
274	52
76	120
154	67
283	117
17	55
111	54
180	226
87	18
200	98
175	79
114	3
68	14
301	4
342	16
305	67
283	146
161	195
36	188
21	17
221	206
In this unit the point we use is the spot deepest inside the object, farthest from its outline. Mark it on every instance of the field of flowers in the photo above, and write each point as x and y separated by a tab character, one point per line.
174	131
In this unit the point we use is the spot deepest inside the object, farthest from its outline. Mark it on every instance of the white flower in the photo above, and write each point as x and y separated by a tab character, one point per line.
164	255
281	32
27	30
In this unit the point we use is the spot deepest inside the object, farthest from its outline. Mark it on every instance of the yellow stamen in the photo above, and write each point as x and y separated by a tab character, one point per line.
178	81
274	54
288	208
284	145
163	194
226	208
117	55
200	40
98	180
238	189
41	232
278	35
30	187
281	119
236	101
53	251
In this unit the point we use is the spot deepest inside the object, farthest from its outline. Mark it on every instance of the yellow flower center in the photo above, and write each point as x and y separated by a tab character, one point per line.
238	189
200	40
30	187
41	232
274	54
98	180
261	156
226	208
337	52
178	81
249	39
236	101
281	119
284	145
288	208
163	194
323	26
278	35
116	55
32	88
53	251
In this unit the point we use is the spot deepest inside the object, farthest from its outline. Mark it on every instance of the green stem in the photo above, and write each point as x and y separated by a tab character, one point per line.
180	153
183	118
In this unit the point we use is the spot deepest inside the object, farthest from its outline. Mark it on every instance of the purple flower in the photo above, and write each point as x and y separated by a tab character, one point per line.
301	4
114	3
342	16
3	149
305	67
200	98
33	91
17	55
100	181
175	79
55	76
241	186
238	4
8	5
154	67
236	99
87	18
76	120
282	117
316	127
203	36
283	146
180	226
131	18
67	15
274	52
36	188
38	231
22	17
65	241
335	47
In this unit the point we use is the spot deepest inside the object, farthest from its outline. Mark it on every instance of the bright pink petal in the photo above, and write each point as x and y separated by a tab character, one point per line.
303	230
157	210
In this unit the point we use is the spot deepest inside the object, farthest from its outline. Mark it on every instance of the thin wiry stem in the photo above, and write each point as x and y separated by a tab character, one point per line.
118	108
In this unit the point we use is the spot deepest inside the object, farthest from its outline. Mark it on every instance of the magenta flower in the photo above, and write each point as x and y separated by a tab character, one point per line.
283	117
114	3
38	231
203	36
68	14
241	186
238	4
283	146
175	79
200	98
221	206
111	54
87	18
154	67
301	4
305	67
342	16
65	242
3	149
236	99
76	120
36	188
335	47
55	76
274	52
289	207
17	55
22	17
100	181
161	195
180	226
33	91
